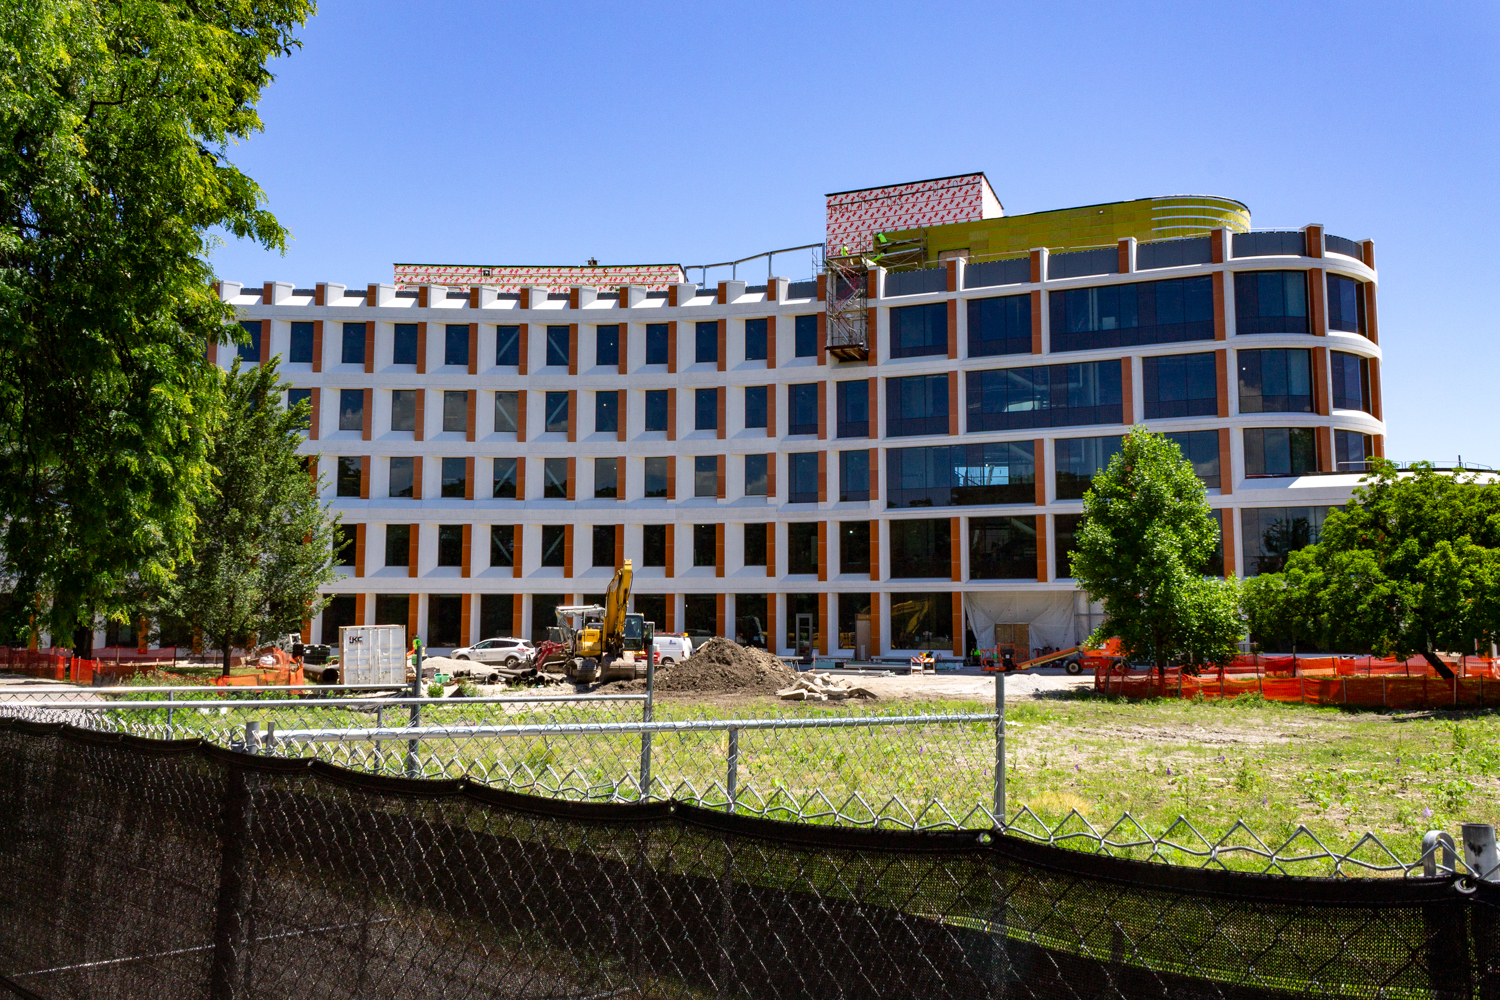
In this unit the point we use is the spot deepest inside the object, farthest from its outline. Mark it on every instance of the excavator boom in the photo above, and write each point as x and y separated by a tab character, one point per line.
616	600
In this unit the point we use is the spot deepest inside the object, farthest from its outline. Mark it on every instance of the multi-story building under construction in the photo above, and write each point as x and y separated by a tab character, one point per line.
871	458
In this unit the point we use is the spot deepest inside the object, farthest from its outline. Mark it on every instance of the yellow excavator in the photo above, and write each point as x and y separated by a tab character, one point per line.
609	644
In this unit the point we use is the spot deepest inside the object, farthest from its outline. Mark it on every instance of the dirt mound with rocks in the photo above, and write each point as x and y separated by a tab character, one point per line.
720	665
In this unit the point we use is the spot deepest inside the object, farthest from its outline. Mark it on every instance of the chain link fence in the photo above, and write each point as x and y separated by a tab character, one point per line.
134	867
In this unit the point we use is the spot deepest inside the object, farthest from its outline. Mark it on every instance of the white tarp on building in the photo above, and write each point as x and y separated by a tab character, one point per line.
1048	612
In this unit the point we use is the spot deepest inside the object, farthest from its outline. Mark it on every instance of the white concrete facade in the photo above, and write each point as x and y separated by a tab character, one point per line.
279	305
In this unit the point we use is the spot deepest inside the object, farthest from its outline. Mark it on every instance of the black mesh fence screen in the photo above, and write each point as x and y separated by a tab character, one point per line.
133	868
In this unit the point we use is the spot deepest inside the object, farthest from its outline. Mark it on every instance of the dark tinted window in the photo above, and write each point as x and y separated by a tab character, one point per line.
398	544
852	402
1002	548
1279	451
507	410
557	346
353	352
854	547
507	345
340	611
1270	302
656	409
345	544
606	478
1064	534
1147	312
607	345
455	478
1270	534
554	545
1202	449
1000	326
755	340
504	486
403	409
402	470
404	344
604	545
656	476
1180	385
502	545
755	406
653	544
755	545
802	548
920	548
455	411
351	409
802	469
854	475
922	620
755	475
1351	381
497	613
1346	306
444	619
295	397
656	343
802	408
301	351
916	405
918	331
705	476
1048	396
456	344
805	337
705	409
555	478
557	412
607	411
450	550
1277	381
250	349
961	475
704	546
706	341
348	476
1077	461
1352	451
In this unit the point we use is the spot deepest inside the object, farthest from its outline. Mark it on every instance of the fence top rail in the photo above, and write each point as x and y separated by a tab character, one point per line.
249	703
619	728
214	688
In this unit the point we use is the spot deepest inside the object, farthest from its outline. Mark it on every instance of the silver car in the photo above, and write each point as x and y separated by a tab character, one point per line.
503	652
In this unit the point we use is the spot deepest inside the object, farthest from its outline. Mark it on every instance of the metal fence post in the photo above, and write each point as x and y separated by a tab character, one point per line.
416	711
1000	750
646	717
171	696
733	778
252	737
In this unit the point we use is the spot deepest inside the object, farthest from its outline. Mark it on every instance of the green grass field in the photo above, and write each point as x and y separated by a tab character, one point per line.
1337	772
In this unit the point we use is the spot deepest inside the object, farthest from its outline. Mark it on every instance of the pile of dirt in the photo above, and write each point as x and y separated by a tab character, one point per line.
720	665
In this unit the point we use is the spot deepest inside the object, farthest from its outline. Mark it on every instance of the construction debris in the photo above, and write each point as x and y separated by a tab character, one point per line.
821	687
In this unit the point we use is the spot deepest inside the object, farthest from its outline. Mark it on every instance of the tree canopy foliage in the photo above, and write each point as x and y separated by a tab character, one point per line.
264	543
1410	567
115	121
1146	538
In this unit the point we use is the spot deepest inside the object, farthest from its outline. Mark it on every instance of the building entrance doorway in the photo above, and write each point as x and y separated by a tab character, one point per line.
803	634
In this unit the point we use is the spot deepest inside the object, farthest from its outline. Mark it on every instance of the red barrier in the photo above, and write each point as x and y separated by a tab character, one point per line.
1362	682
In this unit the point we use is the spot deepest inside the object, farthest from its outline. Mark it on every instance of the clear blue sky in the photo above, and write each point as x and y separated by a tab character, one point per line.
554	132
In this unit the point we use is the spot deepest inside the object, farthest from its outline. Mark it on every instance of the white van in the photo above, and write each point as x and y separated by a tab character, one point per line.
672	649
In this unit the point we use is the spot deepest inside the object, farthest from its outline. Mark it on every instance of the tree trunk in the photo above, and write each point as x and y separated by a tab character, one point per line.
225	650
1437	664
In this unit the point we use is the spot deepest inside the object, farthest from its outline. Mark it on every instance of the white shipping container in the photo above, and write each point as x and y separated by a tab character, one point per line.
372	654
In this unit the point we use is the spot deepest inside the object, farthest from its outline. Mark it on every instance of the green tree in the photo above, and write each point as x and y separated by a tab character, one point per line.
1410	567
115	121
264	543
1147	536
